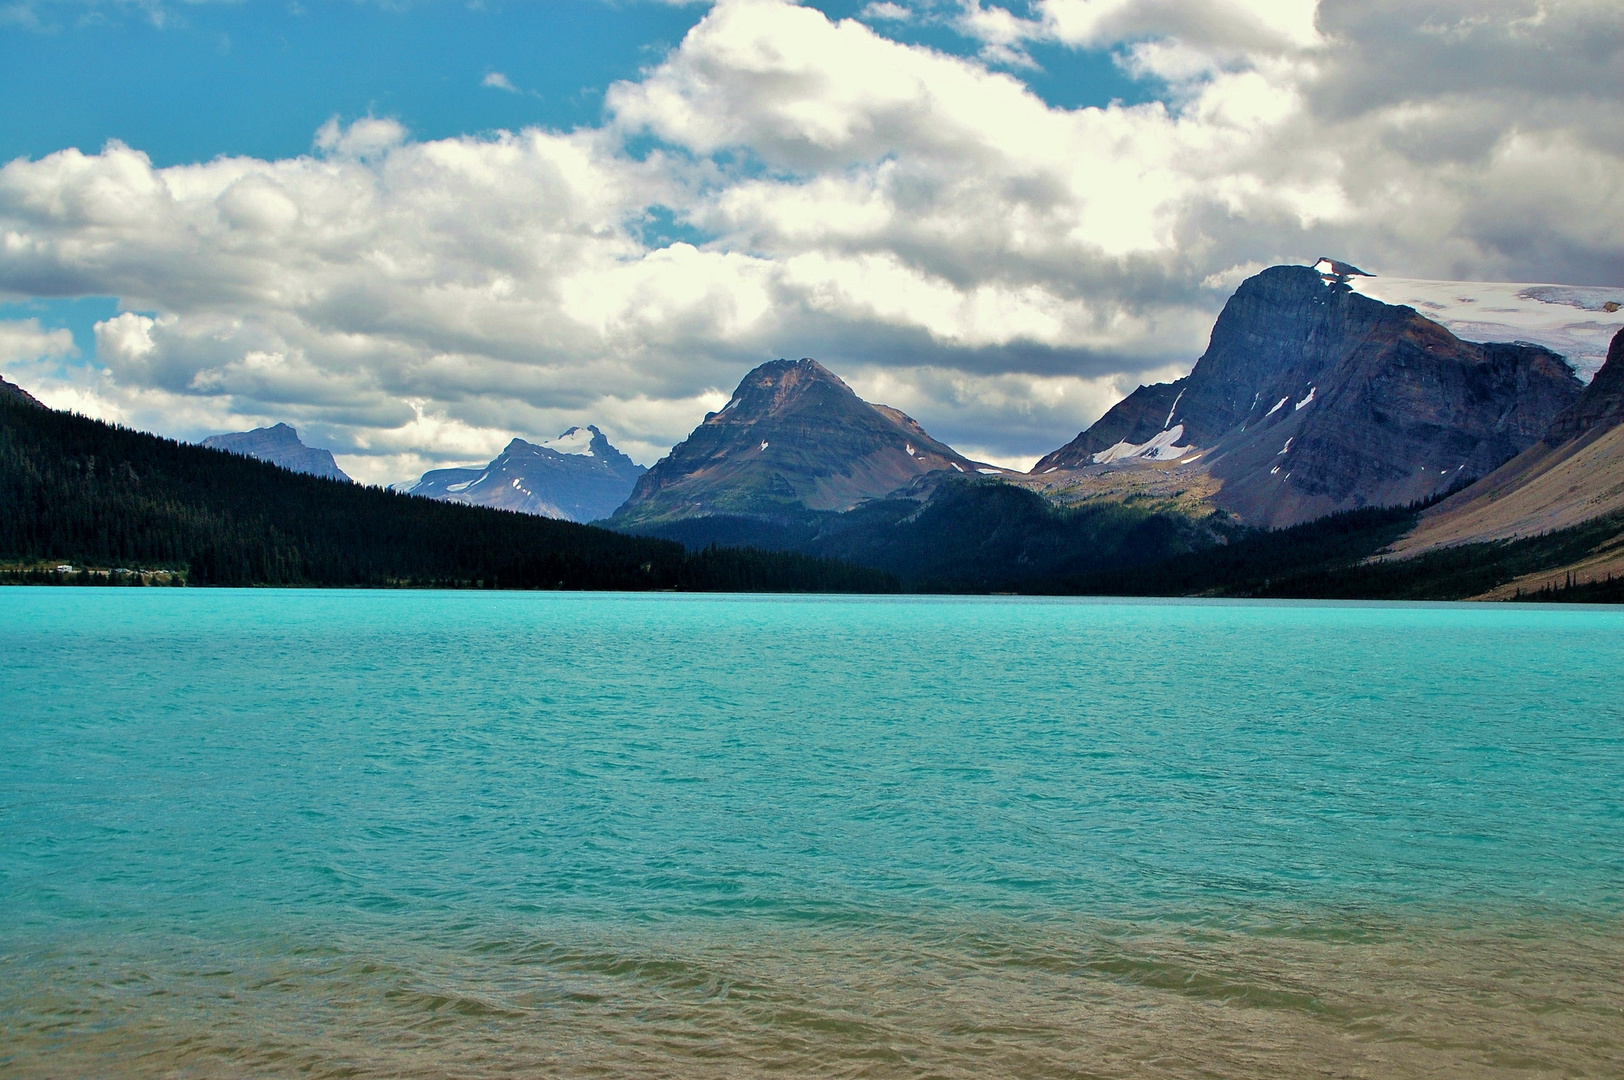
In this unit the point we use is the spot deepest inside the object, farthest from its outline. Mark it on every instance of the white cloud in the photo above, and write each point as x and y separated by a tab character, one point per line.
1236	25
885	10
368	138
498	81
25	339
929	227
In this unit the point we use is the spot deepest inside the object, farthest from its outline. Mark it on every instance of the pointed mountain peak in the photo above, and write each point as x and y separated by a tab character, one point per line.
793	438
577	440
1336	270
780	387
578	476
1312	398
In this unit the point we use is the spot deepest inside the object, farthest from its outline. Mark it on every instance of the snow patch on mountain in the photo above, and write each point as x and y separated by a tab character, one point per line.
1169	421
1160	448
577	440
1573	320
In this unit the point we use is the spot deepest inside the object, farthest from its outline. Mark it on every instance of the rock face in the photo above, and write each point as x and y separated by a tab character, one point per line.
1312	398
794	438
1574	474
279	445
578	476
1602	403
12	392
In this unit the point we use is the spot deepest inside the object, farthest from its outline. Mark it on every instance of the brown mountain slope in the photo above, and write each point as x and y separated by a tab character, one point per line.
793	438
1573	475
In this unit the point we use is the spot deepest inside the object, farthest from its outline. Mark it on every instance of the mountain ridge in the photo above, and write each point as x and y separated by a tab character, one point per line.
280	445
793	439
579	476
10	390
93	494
1312	398
1572	476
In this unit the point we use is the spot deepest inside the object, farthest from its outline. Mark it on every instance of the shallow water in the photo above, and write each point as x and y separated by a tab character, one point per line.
459	834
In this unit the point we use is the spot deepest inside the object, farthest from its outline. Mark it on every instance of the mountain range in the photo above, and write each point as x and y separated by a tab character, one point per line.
115	506
578	476
1312	400
1324	444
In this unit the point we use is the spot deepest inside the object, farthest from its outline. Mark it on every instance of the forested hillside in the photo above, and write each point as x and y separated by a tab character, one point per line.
1339	557
87	493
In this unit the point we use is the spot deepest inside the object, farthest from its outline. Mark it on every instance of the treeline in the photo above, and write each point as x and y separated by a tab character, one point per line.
93	494
974	536
104	498
985	536
1609	590
971	536
1256	562
1339	558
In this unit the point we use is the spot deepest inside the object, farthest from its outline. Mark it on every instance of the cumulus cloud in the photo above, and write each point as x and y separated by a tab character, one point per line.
999	267
498	81
1240	27
32	357
25	341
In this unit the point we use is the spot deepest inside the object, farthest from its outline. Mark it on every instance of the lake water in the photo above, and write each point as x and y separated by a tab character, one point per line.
265	833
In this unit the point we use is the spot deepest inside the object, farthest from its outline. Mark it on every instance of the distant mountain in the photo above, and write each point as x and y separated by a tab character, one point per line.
1313	399
78	491
1572	476
13	392
794	439
578	476
279	445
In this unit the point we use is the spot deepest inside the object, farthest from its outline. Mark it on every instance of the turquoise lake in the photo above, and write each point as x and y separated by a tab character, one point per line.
326	833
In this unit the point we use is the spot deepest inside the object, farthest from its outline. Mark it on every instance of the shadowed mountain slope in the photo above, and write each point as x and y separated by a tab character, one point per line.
794	438
279	445
578	476
1573	475
12	392
957	534
1313	399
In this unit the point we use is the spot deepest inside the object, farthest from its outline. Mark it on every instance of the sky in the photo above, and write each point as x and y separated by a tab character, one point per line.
415	230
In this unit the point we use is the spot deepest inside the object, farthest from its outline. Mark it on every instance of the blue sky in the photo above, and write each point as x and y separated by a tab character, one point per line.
189	82
444	224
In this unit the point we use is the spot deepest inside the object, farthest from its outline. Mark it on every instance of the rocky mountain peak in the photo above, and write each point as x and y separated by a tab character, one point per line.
781	387
793	438
1312	398
579	476
1337	270
280	445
